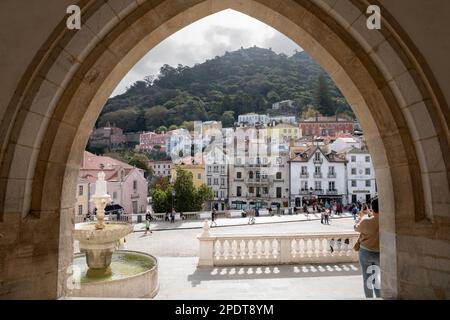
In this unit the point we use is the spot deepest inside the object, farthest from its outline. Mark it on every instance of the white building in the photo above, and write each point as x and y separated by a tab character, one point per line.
360	176
345	144
253	118
179	144
258	176
284	103
161	168
284	119
316	176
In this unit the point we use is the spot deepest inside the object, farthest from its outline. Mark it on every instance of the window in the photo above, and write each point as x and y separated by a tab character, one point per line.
279	160
264	174
279	192
134	185
216	194
367	171
208	181
317	185
222	181
353	183
239	191
331	170
251	189
135	207
216	169
331	186
278	176
317	170
317	156
250	175
367	158
80	190
353	159
353	171
304	185
265	190
304	170
216	181
258	175
199	176
239	175
368	183
80	210
222	169
209	169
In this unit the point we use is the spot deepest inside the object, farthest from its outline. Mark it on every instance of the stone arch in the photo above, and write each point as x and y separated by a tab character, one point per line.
381	73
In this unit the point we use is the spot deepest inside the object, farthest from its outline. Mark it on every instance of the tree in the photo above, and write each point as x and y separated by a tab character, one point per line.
155	117
159	200
173	127
140	161
322	96
202	195
161	129
185	191
227	119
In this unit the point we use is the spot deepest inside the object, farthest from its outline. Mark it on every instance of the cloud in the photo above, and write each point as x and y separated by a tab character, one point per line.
204	39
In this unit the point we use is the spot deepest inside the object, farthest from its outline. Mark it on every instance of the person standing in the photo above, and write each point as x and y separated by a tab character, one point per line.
327	216
369	249
213	217
278	210
148	218
332	245
172	216
355	211
270	211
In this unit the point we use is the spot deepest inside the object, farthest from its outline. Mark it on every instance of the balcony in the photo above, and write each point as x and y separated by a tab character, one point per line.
332	175
304	175
318	161
318	175
316	192
332	192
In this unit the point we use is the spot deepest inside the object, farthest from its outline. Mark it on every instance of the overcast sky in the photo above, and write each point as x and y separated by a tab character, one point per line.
209	37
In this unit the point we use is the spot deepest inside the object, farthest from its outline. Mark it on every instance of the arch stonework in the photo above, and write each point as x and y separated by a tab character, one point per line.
389	84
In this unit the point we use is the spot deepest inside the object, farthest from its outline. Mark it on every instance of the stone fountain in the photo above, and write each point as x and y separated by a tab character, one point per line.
110	272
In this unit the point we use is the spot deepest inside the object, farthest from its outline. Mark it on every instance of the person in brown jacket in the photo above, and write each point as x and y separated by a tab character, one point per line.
369	249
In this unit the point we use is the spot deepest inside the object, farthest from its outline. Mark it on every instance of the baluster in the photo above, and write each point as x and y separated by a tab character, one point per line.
216	249
222	249
238	249
250	246
301	247
258	251
293	248
246	253
268	249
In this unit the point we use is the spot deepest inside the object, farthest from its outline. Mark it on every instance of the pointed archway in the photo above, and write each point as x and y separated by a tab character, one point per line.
380	72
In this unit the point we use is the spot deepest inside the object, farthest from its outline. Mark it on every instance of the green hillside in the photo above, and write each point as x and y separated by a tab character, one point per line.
246	80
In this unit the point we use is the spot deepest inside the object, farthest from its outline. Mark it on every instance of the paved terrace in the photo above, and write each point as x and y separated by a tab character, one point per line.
177	251
232	222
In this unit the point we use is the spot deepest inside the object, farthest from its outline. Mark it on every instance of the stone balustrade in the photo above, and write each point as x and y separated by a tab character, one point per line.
271	249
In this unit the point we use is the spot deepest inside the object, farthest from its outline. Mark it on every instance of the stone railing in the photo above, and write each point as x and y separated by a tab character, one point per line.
268	249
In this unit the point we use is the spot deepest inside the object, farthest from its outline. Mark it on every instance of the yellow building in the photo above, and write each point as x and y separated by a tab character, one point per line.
82	206
197	170
288	131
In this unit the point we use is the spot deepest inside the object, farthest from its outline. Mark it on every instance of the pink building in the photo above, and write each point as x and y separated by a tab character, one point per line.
126	184
150	141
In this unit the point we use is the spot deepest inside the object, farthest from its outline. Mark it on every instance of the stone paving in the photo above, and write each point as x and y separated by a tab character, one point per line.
181	279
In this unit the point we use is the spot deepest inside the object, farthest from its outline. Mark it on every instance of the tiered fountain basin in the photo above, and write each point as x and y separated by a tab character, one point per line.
133	275
104	272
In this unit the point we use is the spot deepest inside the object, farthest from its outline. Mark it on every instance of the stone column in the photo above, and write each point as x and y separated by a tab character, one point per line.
206	254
